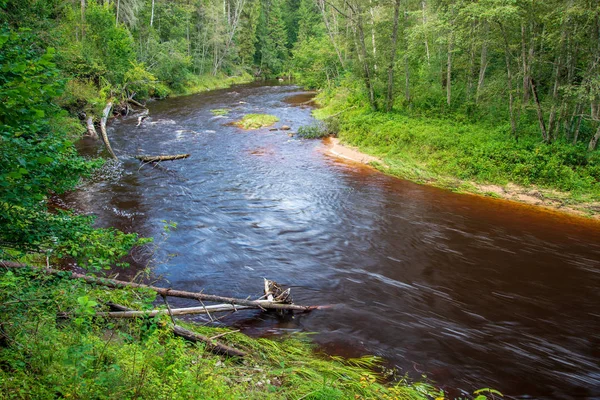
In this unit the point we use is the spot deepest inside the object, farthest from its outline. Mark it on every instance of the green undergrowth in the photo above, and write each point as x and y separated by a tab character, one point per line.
450	153
256	121
88	357
314	131
204	83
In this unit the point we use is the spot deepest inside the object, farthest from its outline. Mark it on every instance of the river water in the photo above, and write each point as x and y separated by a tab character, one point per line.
472	292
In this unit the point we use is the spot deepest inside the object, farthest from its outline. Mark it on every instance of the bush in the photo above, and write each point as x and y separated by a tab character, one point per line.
314	131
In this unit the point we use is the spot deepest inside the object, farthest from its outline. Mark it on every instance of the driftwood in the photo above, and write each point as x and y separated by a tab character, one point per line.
162	158
91	130
142	117
175	311
136	103
103	120
262	304
211	345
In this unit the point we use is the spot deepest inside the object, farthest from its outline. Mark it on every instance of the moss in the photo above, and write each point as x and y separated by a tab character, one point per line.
256	121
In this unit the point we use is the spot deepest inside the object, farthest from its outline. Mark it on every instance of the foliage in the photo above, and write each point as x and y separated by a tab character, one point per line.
426	148
256	121
314	131
38	159
85	356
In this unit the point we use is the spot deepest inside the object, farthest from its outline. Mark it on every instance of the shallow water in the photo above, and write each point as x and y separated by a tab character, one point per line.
473	292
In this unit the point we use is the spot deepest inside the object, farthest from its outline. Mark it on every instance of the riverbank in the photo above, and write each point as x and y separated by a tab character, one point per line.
86	356
468	158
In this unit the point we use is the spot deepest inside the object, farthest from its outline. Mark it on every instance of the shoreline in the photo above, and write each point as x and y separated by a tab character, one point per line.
535	197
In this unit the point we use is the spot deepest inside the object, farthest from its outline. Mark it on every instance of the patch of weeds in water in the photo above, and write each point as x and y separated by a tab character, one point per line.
256	121
220	111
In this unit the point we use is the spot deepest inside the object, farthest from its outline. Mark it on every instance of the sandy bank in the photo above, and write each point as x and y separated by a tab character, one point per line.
551	200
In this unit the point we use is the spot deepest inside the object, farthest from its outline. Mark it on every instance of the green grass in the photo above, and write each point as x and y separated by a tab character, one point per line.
87	357
256	121
447	152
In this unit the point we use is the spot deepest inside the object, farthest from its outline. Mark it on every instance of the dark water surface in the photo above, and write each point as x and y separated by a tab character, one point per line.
473	292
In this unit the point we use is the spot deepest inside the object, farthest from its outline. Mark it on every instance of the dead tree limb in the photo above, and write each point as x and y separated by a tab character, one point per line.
91	130
211	345
103	120
112	283
149	159
175	311
136	103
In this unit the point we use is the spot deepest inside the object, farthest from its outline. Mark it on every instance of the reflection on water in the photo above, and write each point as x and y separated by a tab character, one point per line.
473	292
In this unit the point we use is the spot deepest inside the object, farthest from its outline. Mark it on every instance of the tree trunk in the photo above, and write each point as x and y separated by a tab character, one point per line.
373	35
425	23
176	311
483	63
103	129
366	68
511	111
471	63
82	18
594	141
91	130
524	63
152	14
390	88
117	19
449	69
540	113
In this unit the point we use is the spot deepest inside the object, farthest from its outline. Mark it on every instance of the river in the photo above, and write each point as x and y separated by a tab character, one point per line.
471	291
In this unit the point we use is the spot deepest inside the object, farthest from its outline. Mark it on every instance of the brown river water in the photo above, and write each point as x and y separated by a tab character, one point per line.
471	292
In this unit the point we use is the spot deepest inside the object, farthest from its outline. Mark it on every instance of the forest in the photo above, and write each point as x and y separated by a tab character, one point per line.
448	91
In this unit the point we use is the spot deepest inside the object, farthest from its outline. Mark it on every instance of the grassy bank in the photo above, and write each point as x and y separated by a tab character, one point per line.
87	357
466	156
204	83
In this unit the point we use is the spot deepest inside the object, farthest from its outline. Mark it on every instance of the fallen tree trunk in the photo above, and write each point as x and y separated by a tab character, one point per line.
91	130
149	159
175	311
103	120
212	345
170	292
